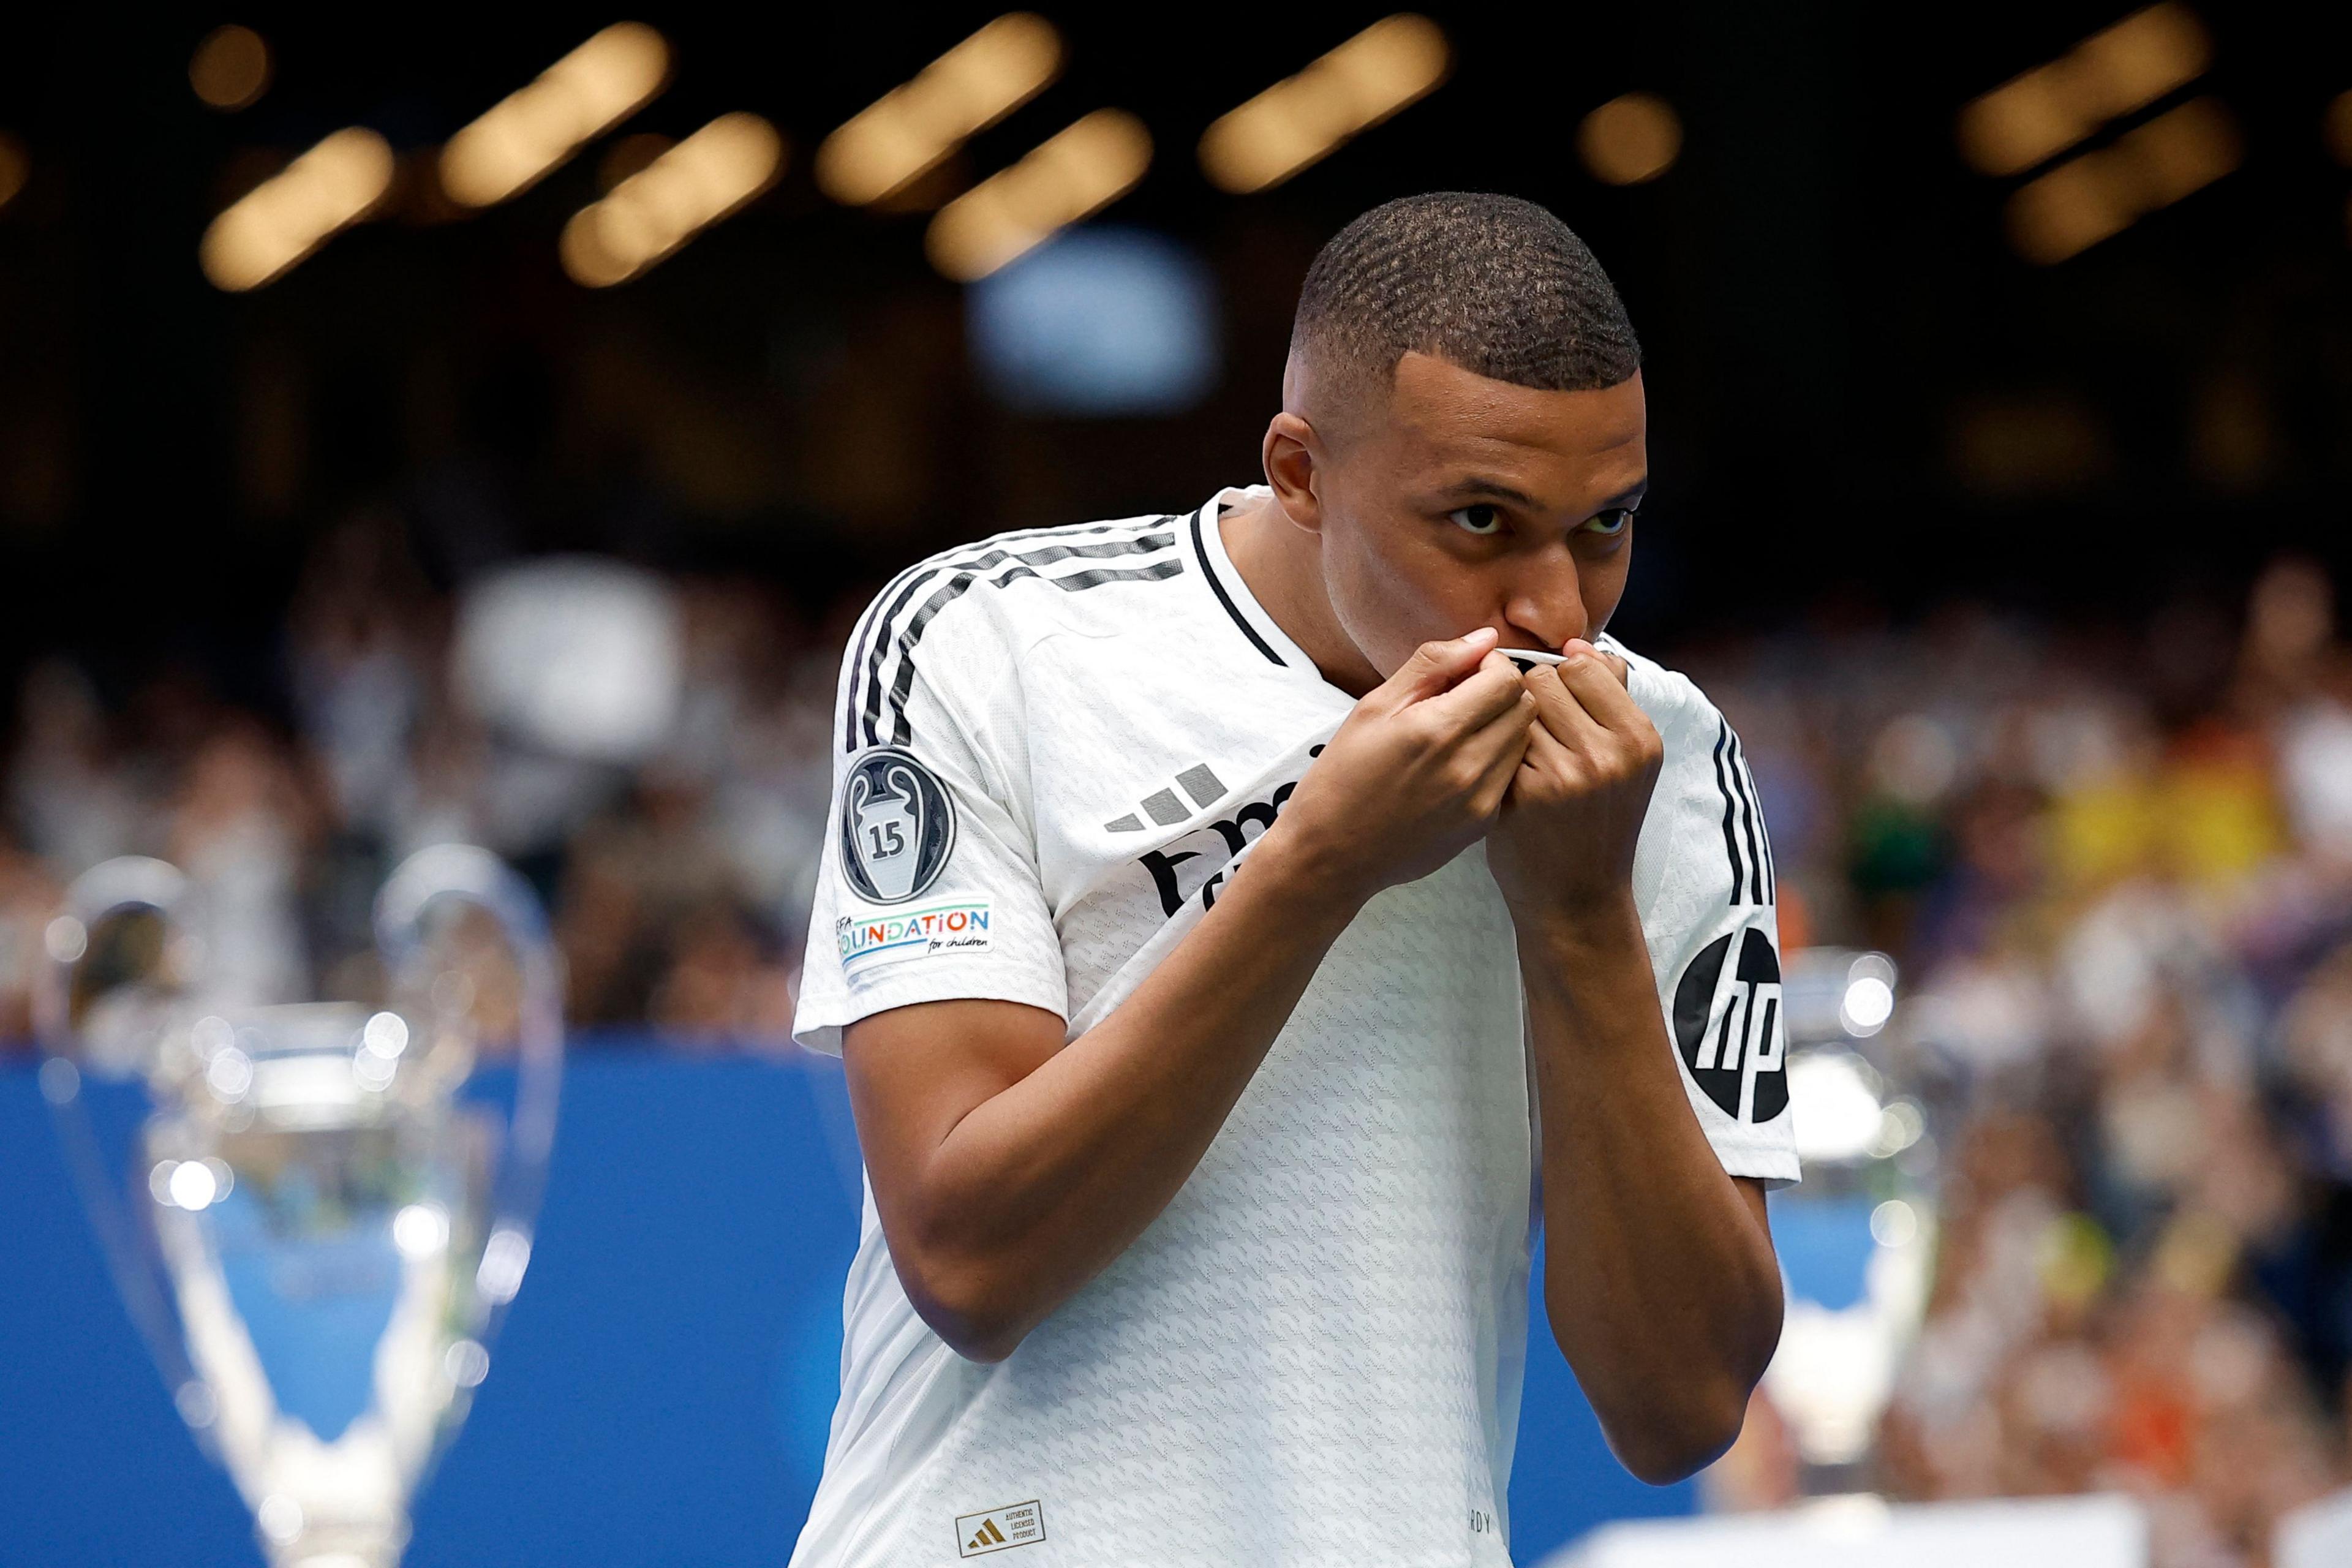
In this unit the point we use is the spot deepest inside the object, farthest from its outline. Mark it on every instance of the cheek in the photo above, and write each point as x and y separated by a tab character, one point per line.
1602	584
1392	591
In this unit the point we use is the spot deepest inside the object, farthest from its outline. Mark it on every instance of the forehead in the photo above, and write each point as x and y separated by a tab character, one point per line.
1443	420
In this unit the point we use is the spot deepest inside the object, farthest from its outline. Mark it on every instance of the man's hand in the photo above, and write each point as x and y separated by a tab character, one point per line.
1564	845
1417	772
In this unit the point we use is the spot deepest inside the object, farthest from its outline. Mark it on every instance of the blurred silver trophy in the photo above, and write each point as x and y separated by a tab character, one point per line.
1857	1239
316	1211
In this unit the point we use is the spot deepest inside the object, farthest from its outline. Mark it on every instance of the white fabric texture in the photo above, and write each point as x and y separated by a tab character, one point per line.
1313	1356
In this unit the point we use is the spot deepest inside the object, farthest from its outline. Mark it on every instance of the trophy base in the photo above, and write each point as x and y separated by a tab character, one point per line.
330	1547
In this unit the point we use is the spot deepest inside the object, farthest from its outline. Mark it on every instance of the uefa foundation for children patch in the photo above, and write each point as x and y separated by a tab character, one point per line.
878	937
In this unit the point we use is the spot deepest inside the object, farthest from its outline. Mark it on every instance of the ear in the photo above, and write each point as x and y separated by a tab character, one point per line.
1292	456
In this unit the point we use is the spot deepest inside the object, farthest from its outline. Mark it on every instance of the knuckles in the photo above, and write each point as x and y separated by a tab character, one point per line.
1611	762
1462	774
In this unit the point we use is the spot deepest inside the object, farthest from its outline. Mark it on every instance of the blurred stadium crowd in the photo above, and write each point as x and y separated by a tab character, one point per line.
2115	864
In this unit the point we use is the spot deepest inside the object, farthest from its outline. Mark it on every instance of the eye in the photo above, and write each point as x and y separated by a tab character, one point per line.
1481	520
1611	523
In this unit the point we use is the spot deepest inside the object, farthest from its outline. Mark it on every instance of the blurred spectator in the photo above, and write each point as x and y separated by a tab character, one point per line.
238	823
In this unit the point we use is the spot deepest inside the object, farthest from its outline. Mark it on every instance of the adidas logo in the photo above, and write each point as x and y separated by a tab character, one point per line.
1001	1529
1164	808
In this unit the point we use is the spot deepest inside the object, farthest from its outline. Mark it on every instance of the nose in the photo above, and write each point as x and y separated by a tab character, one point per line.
1543	600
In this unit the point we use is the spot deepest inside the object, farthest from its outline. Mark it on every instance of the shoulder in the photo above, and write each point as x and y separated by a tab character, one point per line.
956	621
1706	800
1705	775
1016	583
1672	700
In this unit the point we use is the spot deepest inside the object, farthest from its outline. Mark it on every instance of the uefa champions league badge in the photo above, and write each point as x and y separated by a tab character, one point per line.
898	826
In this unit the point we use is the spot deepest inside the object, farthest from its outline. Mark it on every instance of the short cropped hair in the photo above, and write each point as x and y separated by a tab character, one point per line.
1493	284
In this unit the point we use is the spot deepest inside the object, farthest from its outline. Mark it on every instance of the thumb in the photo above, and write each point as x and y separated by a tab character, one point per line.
1434	667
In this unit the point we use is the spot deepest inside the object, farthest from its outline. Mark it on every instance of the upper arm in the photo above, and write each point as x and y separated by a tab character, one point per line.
1709	895
915	1071
932	963
1751	1192
927	889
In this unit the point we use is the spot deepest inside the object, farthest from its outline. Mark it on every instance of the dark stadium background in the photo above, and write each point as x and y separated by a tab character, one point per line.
1822	285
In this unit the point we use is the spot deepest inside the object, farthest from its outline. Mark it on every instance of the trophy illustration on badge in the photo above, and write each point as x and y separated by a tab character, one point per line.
896	827
316	1211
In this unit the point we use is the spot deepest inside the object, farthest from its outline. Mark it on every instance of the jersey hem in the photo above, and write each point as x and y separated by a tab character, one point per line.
1776	1168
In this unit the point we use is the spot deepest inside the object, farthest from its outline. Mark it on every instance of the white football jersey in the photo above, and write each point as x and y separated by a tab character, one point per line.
1053	750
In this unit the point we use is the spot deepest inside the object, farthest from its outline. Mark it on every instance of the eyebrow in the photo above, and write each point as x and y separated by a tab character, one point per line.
1630	496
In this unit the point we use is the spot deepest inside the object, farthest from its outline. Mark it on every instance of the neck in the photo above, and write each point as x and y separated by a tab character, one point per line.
1282	566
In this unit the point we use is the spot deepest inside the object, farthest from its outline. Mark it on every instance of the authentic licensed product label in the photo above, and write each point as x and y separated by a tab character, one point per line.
1015	1524
880	938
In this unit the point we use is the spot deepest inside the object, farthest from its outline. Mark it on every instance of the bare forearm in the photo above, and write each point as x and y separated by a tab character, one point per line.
1662	1289
1041	1186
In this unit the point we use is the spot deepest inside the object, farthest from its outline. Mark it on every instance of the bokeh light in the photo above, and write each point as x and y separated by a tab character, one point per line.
230	69
1630	140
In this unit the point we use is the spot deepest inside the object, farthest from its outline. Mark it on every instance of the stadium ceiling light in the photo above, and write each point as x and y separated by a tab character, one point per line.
533	131
1302	119
651	213
1630	139
2337	127
1068	176
2086	199
2039	114
911	128
297	210
16	168
230	69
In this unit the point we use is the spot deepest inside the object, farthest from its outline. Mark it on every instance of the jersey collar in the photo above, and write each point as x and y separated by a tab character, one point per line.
1259	634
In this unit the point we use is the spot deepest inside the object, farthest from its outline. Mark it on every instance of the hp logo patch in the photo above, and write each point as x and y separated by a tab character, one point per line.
1728	1026
898	826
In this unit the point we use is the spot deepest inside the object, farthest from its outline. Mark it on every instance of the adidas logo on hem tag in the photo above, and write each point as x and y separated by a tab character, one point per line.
1001	1529
1164	808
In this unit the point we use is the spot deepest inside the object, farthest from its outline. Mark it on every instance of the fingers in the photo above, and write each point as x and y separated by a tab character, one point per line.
1511	739
1497	730
1487	720
1544	750
1561	713
1591	729
1597	681
1493	690
1576	647
1435	666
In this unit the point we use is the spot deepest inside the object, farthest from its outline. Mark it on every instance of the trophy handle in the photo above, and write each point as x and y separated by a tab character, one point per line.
127	884
471	875
903	785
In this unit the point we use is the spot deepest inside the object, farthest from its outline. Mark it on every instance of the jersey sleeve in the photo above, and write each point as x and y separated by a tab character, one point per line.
928	889
1705	880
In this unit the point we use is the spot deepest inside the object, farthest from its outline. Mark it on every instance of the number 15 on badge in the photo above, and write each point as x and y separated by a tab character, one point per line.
898	826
